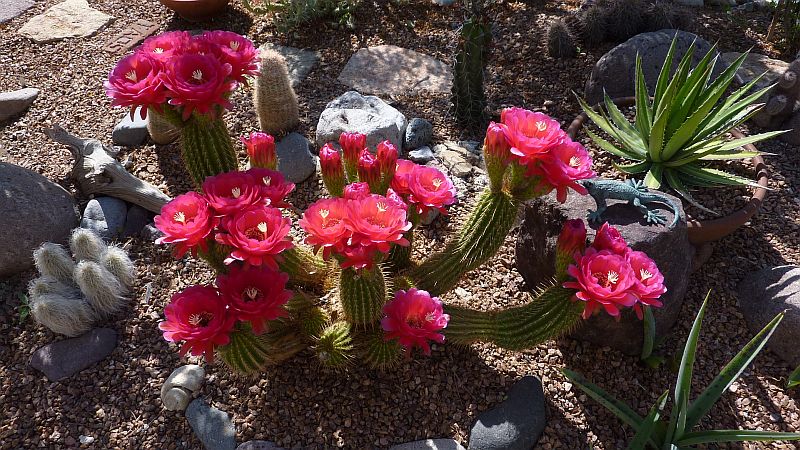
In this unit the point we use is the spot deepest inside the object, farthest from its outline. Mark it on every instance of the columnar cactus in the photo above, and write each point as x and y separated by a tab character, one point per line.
207	148
468	97
161	131
560	42
273	96
781	100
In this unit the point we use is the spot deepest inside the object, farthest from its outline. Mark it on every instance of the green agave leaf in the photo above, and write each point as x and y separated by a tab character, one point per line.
654	176
663	75
649	333
694	85
667	103
621	410
794	379
675	182
622	152
705	437
605	124
726	116
644	114
621	121
645	434
731	155
717	177
657	137
634	168
736	143
730	373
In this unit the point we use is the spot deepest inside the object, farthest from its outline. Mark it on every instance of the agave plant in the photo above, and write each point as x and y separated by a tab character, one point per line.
676	433
683	127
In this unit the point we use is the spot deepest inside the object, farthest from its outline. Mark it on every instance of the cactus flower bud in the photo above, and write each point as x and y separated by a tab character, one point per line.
387	160
609	238
572	240
261	150
352	144
369	170
332	170
497	154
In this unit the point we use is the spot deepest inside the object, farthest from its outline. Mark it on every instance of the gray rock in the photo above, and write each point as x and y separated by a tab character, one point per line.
10	9
16	102
33	210
429	444
258	445
355	113
295	160
105	216
455	159
211	426
693	3
62	359
421	155
176	399
299	62
720	3
388	69
130	132
754	65
669	248
764	294
615	71
68	19
189	377
135	221
516	423
418	133
150	233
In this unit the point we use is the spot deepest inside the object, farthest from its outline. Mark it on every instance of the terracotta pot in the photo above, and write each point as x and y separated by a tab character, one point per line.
196	10
702	231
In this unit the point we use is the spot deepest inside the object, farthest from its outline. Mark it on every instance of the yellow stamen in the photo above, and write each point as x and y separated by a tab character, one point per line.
612	277
236	192
262	227
437	182
252	293
131	76
645	274
179	217
575	161
198	75
200	319
382	207
234	45
541	125
267	181
324	213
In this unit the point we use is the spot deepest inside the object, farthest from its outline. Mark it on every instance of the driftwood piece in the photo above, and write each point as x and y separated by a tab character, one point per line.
96	171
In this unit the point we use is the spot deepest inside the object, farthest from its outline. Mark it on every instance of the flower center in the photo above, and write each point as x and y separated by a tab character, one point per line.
437	182
158	50
198	75
131	76
267	181
259	232
607	279
180	217
541	125
251	294
381	206
234	45
645	274
236	192
574	162
324	213
200	319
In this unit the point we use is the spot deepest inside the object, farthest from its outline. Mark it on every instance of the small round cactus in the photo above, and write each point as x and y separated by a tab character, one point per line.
273	96
560	43
334	347
86	245
593	27
63	313
624	19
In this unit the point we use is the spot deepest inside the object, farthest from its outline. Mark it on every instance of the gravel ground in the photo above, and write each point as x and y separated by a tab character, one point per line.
117	401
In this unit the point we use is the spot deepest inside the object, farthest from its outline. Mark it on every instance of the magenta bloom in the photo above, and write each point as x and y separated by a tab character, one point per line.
377	221
255	295
352	144
199	317
369	170
650	282
356	191
261	150
603	279
330	162
359	257
165	45
430	189
567	163
572	238
413	317
273	186
496	144
136	81
609	238
186	222
231	191
258	235
198	82
387	159
402	176
236	50
530	134
324	222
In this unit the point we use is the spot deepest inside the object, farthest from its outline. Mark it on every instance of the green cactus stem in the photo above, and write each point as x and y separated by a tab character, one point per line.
362	294
247	354
479	238
334	348
379	353
468	97
207	148
305	269
548	315
400	256
310	318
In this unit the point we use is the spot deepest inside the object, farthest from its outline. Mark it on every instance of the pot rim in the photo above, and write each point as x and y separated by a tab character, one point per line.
703	231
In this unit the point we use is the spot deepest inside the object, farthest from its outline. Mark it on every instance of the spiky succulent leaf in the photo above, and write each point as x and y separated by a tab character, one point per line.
645	433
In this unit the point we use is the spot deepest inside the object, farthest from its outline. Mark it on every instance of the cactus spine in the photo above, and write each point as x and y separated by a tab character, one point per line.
468	97
379	353
161	131
334	348
362	294
207	148
304	268
246	353
273	96
86	245
560	42
116	261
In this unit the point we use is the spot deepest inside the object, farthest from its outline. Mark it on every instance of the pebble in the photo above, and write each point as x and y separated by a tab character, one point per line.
130	132
105	216
429	444
135	221
65	358
421	155
514	424
150	232
85	440
211	426
13	103
418	133
190	377
295	160
68	19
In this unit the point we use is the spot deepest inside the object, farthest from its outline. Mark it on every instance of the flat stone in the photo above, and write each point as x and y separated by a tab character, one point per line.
429	444
754	65
135	221
418	133
68	19
387	69
131	36
258	445
27	198
63	359
14	103
764	294
516	423
10	9
669	248
295	160
176	399
211	426
106	216
421	155
356	113
455	163
130	132
615	71
299	62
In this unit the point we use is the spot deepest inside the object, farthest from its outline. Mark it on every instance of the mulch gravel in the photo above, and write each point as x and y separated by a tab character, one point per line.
296	405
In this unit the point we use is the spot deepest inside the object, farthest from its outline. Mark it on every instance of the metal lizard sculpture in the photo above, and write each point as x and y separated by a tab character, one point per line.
634	193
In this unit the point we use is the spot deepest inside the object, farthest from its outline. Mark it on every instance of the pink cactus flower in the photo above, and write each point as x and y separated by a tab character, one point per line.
496	144
414	318
369	170
333	176
231	191
359	257
273	186
136	81
255	295
199	317
261	150
352	144
566	163
603	279
257	235
572	238
198	82
402	176
387	159
356	191
396	200
325	224
531	134
236	50
186	222
165	45
609	238
375	220
649	281
430	189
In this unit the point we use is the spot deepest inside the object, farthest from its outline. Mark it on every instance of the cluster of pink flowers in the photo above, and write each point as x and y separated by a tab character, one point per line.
191	73
537	142
237	210
609	274
204	316
413	318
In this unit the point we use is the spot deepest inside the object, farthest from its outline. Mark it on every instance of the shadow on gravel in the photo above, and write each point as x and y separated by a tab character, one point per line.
234	18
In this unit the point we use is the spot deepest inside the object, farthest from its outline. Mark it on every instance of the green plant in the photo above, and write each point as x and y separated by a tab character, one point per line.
560	42
292	13
676	433
794	379
24	308
468	96
273	97
683	127
594	29
624	18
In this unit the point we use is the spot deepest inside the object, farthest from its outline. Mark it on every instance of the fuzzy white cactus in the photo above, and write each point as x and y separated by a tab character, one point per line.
116	261
100	287
86	245
53	261
69	315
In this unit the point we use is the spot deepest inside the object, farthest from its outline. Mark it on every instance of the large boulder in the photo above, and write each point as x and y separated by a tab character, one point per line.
764	294
356	113
62	359
615	71
516	423
669	248
33	210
